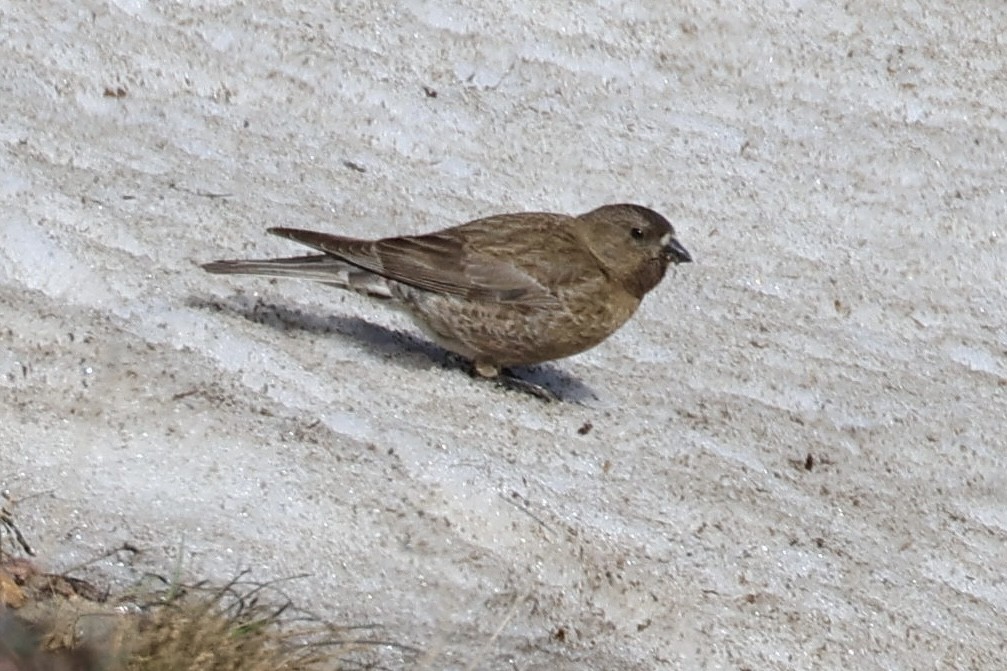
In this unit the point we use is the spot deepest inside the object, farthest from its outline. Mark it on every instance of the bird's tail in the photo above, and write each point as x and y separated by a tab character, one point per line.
317	267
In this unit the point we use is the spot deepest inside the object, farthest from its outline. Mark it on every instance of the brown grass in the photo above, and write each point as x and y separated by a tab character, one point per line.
54	622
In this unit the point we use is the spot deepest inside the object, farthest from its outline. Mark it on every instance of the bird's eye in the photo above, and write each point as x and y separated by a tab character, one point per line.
637	233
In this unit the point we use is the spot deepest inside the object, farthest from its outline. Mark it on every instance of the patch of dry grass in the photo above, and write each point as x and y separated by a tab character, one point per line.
51	622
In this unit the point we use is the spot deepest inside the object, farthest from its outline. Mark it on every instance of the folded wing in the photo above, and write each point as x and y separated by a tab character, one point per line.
484	260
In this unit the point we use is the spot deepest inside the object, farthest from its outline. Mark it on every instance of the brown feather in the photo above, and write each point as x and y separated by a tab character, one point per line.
511	289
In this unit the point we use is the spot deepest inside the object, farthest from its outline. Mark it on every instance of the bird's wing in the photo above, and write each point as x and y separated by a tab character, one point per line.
488	259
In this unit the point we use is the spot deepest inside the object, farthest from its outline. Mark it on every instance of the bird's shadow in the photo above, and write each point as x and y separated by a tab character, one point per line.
385	342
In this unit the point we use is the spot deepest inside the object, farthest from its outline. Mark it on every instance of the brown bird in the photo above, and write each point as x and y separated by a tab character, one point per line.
506	290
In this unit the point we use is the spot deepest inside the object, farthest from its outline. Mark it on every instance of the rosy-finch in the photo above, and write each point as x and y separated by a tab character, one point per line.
506	290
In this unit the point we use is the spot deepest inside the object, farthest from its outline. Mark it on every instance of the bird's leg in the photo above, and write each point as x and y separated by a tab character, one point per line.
508	380
483	369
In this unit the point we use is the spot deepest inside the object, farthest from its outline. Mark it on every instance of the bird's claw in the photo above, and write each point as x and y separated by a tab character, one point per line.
509	381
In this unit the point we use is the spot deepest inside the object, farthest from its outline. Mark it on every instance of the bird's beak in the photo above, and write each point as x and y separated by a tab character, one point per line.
676	253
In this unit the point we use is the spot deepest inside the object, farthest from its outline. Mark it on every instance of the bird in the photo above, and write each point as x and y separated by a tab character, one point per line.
501	291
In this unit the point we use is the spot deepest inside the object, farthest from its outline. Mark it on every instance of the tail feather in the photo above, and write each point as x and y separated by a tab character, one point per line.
317	267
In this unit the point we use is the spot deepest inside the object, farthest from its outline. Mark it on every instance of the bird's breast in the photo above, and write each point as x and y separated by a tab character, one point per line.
509	334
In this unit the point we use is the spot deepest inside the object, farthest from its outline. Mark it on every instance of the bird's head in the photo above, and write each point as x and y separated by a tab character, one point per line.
635	244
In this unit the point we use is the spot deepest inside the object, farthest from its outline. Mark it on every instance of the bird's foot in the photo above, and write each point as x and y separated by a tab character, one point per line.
508	380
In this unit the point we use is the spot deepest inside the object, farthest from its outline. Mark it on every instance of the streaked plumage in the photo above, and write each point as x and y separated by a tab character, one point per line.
506	290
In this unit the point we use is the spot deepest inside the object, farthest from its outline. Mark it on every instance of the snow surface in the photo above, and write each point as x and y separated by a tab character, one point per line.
837	171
